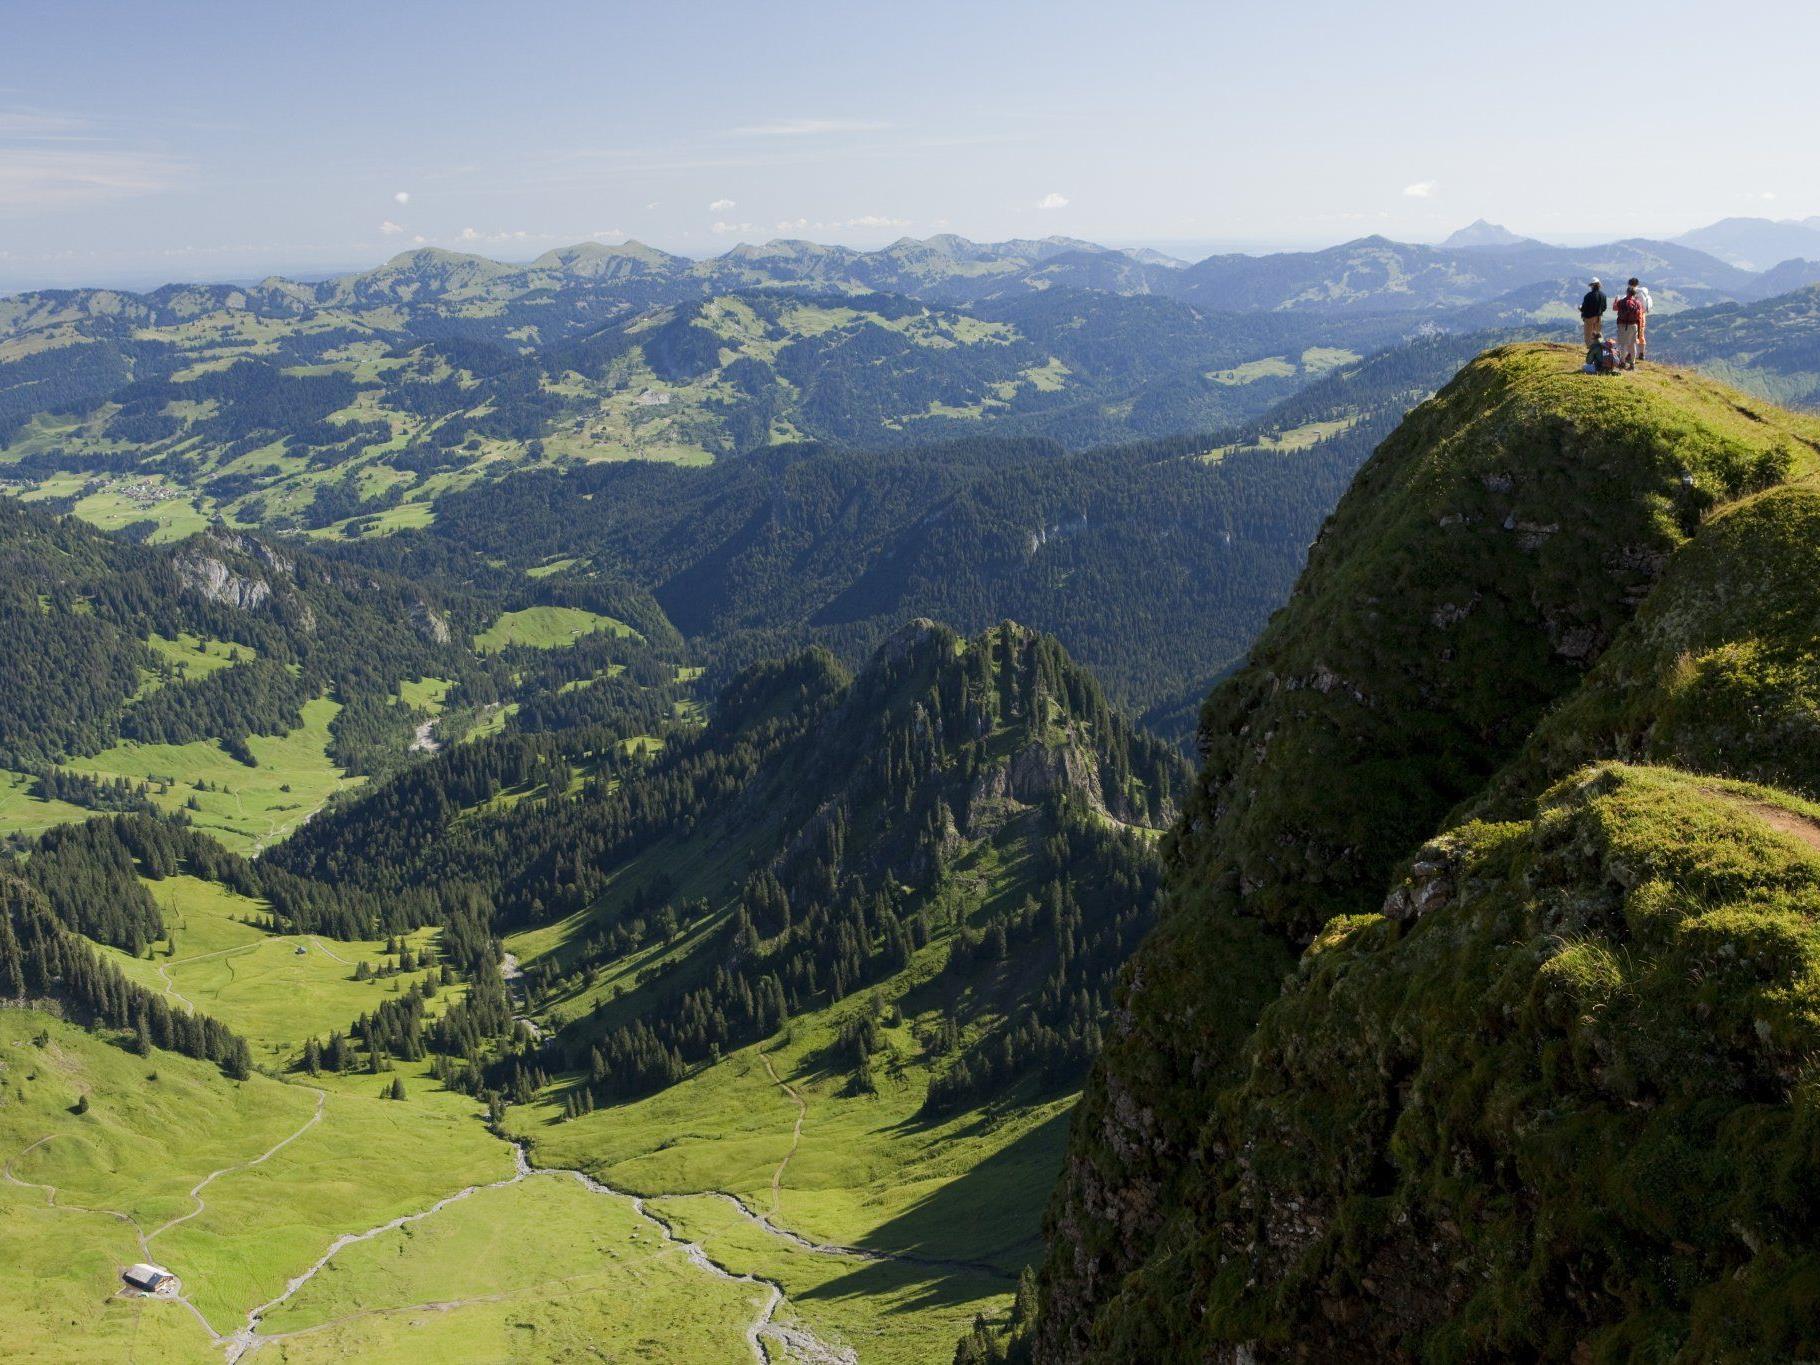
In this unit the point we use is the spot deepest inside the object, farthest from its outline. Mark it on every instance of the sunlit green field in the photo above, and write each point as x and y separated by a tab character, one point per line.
540	1270
274	989
246	808
546	628
23	813
890	1312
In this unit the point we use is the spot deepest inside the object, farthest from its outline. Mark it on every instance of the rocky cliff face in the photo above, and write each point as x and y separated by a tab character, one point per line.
210	577
1393	1083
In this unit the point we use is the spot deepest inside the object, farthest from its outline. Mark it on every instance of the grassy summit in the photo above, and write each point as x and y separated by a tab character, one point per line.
1538	1085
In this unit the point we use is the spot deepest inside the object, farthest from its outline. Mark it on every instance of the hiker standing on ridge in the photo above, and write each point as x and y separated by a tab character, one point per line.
1630	323
1592	313
1642	322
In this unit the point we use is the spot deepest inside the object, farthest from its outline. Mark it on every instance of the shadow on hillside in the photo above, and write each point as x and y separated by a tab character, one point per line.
970	1237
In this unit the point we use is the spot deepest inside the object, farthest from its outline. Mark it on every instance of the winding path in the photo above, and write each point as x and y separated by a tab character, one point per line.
145	1248
796	1133
249	1338
170	989
322	1099
170	986
794	1341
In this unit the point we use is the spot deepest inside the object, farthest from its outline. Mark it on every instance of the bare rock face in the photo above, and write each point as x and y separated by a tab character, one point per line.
1432	884
209	577
429	623
1028	777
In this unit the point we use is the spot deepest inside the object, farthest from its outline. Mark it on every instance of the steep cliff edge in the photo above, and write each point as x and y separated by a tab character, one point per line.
1464	1034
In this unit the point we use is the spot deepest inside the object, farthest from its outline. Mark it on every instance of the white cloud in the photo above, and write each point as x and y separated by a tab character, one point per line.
724	228
1422	189
1053	200
43	127
469	234
860	224
653	204
808	127
1765	196
402	197
390	228
419	240
720	206
619	234
36	178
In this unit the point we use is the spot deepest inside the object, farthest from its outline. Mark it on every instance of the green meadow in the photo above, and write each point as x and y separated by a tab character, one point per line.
274	989
23	813
540	1270
246	808
547	628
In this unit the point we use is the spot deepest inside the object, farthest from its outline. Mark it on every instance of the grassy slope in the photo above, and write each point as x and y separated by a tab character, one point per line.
868	1171
610	1277
23	813
546	628
139	1147
248	808
556	1273
256	983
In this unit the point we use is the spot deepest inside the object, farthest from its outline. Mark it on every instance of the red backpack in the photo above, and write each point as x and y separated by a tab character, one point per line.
1630	310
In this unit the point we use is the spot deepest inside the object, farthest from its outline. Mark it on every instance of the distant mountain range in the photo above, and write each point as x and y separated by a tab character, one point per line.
576	287
1757	243
1481	233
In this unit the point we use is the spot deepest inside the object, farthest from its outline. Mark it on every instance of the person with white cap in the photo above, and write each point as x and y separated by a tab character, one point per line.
1643	321
1592	313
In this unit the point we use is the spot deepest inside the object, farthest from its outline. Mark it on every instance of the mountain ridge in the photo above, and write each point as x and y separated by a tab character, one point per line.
1363	1126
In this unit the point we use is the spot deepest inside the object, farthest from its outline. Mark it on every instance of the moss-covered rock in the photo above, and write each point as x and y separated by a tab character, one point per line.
1485	556
1537	1086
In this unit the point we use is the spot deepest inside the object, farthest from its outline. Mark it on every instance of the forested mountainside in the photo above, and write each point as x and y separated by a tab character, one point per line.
42	958
307	422
1155	564
238	682
1771	348
818	834
1477	1020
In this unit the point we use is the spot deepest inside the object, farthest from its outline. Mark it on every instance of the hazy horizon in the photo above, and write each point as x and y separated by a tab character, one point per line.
1187	250
200	143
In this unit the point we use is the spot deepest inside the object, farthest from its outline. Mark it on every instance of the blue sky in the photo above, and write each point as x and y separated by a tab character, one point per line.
200	140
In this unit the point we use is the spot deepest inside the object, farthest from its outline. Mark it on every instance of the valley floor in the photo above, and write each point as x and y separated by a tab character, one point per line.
753	1212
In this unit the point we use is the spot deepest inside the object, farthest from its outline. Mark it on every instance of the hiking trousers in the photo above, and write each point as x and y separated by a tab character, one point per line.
1593	328
1627	343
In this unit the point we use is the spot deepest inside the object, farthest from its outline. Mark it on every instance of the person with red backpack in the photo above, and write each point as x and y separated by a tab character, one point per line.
1642	323
1629	311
